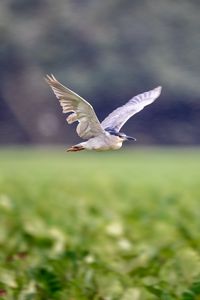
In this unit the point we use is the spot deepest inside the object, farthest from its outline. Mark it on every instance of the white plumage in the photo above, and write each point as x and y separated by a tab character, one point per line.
100	136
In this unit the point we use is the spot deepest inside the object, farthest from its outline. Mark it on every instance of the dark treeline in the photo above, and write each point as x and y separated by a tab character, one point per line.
107	51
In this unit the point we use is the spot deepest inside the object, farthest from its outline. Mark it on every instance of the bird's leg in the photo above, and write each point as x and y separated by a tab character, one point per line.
75	148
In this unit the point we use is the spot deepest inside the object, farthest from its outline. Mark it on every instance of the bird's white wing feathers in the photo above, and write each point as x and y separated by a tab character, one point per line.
119	116
89	125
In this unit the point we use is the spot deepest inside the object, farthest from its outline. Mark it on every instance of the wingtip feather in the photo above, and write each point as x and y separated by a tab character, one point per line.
50	78
53	77
158	89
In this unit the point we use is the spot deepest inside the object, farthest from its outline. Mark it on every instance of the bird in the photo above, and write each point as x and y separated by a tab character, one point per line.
100	136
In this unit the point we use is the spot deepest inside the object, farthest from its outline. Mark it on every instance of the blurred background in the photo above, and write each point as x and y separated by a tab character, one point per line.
107	51
134	215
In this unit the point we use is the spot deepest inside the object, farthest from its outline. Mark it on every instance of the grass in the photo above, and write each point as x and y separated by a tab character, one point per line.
102	226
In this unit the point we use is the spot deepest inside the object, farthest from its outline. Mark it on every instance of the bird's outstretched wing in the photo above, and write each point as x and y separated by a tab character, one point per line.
119	116
89	125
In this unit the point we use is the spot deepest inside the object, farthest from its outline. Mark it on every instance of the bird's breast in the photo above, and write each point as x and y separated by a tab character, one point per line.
104	142
114	142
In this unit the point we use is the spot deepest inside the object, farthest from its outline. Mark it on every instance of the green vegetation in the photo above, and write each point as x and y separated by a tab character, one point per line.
118	225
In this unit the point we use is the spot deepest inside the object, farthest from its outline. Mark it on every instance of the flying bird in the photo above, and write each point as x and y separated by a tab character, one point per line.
100	136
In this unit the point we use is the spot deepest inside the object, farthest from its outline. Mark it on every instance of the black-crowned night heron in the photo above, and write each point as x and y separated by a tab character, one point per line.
100	136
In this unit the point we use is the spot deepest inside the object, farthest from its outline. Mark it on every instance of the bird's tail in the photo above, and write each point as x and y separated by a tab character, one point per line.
75	148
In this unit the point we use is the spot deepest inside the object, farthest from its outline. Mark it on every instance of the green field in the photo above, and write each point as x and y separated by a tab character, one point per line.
104	226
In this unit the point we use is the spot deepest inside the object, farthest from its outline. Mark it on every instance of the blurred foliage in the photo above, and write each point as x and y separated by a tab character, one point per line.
77	228
107	51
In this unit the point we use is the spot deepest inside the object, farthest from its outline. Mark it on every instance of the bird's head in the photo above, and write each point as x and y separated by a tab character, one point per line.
125	137
121	135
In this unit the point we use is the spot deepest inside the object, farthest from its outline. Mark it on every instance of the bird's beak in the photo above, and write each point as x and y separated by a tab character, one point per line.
130	138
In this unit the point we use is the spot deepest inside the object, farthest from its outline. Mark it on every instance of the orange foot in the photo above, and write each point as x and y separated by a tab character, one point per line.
75	148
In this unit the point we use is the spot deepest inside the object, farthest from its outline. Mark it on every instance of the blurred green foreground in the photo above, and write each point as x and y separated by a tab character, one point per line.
104	226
